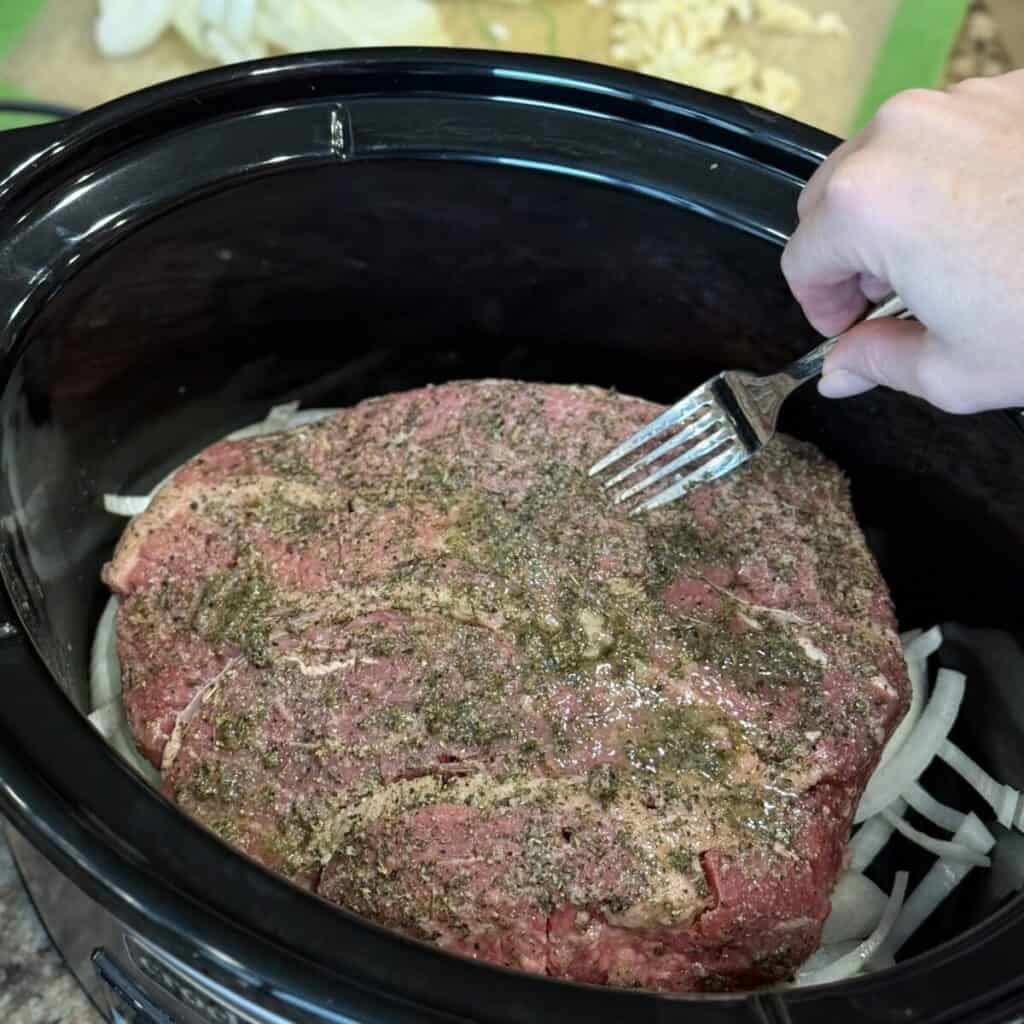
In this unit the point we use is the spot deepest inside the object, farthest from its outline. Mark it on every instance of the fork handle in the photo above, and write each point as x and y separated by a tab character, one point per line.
810	365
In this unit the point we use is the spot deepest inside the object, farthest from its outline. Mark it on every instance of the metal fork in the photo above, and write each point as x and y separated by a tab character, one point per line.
728	419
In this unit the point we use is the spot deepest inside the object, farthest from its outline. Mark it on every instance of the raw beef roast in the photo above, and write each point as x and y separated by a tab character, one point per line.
412	658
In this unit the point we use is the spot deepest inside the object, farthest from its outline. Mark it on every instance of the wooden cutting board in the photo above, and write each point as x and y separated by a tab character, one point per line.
56	60
1009	15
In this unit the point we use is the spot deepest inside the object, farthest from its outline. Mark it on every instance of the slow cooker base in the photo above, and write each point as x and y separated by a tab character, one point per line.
75	924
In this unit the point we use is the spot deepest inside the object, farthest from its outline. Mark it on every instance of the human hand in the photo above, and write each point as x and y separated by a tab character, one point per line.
927	202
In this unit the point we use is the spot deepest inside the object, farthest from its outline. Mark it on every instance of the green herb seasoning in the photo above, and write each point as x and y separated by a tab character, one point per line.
236	607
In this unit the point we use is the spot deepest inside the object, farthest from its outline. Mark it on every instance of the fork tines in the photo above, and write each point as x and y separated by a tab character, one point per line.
710	436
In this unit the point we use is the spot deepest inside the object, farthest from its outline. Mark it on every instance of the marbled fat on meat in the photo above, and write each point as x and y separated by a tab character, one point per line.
412	658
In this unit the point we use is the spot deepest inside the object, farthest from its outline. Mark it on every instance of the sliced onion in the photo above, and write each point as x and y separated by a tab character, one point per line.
854	961
827	954
307	416
943	877
126	504
857	907
279	418
110	721
1002	799
917	672
1006	813
924	645
1008	862
918	647
107	719
108	715
104	667
927	806
920	748
872	836
951	851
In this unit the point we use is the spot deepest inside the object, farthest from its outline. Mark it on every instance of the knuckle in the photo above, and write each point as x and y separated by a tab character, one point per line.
965	87
909	104
976	86
850	186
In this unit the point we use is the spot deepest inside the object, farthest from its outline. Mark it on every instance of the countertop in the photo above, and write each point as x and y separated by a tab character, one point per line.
35	987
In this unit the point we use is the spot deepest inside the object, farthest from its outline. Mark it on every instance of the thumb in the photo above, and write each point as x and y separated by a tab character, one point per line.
887	352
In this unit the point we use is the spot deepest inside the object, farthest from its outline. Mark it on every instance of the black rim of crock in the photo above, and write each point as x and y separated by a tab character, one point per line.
170	879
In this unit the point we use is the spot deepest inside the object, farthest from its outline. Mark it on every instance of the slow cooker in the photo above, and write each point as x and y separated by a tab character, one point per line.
327	227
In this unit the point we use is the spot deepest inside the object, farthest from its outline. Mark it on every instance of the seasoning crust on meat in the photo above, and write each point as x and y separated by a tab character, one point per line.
412	658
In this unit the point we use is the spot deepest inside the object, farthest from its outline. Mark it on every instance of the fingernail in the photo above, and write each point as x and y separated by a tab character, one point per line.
843	384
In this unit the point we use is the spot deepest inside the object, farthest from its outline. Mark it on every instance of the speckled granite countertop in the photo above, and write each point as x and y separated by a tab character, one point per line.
35	987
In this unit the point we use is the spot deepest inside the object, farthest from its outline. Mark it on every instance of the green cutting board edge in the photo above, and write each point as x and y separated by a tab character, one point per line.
15	16
914	54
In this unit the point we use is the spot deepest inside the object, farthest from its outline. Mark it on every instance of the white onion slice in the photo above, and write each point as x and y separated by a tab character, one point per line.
124	27
917	672
1006	814
857	907
920	748
279	418
924	645
947	850
872	836
110	721
106	719
1002	799
239	19
854	961
918	647
104	666
125	504
825	955
938	813
108	715
1006	876
943	877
